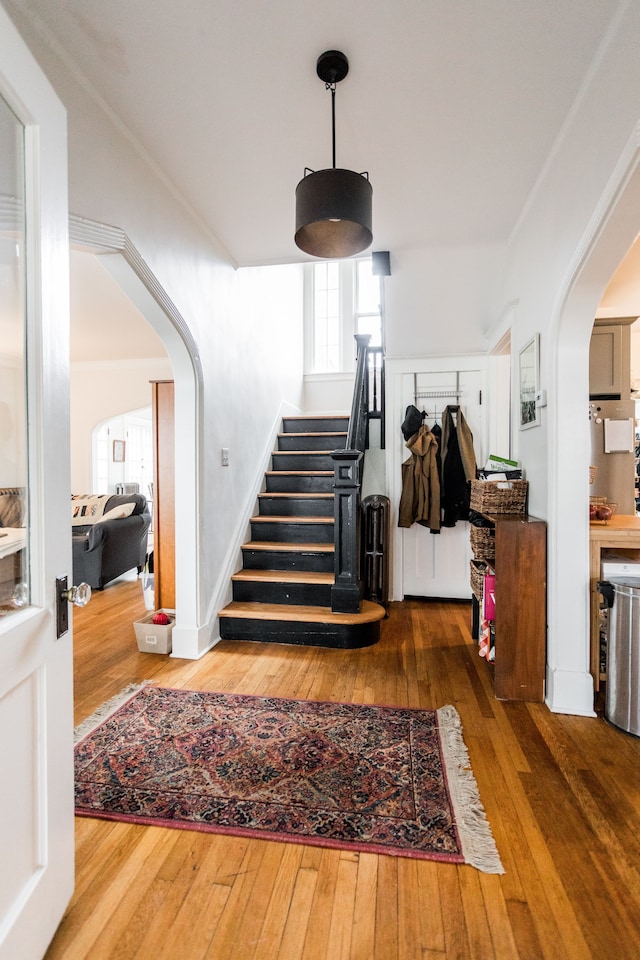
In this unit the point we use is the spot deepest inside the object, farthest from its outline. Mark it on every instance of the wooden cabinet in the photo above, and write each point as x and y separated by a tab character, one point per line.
164	526
520	566
610	359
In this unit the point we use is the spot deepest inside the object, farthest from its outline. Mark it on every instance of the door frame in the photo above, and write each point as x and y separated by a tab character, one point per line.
610	233
395	371
36	669
192	634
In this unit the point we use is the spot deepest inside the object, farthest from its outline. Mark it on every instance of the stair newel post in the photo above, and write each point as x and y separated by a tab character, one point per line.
346	592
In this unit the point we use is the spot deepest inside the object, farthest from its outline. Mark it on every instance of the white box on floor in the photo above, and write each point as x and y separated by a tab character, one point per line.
154	637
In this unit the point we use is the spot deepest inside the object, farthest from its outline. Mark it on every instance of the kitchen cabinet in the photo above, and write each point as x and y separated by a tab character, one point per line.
610	359
520	566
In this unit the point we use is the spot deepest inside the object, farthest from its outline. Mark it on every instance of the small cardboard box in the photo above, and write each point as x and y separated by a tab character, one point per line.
154	637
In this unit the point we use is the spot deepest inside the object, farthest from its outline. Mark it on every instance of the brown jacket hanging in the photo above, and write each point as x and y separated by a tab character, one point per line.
420	499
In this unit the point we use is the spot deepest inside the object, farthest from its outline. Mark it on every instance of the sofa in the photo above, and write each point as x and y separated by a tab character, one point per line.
109	536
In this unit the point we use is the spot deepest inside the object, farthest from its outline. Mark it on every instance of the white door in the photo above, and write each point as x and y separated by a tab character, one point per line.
36	695
437	565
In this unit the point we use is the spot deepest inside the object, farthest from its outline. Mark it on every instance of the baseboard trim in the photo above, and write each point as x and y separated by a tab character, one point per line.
570	691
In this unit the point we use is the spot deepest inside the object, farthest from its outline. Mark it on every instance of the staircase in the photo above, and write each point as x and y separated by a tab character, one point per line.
283	592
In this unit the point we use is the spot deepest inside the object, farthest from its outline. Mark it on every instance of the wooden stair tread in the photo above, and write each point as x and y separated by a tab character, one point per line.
317	416
320	433
298	473
302	496
304	453
293	519
284	546
370	612
283	576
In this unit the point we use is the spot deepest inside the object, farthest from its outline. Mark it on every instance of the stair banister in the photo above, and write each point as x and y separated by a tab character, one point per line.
346	593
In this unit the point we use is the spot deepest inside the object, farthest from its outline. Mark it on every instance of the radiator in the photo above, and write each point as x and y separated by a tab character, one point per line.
375	548
127	488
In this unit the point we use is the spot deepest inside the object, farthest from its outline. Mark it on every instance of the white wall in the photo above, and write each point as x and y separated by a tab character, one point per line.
440	301
94	400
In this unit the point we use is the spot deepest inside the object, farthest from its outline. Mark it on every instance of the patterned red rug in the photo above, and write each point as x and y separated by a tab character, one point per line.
379	779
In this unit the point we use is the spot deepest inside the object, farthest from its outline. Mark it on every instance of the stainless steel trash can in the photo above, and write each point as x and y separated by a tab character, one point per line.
622	699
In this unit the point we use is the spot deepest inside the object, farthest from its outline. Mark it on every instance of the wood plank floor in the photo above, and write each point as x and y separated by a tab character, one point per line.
562	795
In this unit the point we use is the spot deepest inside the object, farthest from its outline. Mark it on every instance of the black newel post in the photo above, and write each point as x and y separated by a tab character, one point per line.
346	592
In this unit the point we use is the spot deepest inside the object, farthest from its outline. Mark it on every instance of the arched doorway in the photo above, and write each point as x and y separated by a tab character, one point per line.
120	258
607	239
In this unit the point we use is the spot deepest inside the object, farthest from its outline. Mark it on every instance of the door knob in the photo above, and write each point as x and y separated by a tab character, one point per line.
79	596
65	594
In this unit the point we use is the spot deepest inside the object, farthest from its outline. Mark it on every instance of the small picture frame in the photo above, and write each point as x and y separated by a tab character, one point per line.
529	375
119	451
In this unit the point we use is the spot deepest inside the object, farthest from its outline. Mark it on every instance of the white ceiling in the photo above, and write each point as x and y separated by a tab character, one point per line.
451	106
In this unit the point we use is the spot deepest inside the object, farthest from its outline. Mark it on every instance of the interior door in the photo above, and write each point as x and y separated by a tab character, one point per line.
36	697
437	565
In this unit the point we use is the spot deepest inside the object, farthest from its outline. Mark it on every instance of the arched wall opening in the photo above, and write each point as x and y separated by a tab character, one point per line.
191	636
612	231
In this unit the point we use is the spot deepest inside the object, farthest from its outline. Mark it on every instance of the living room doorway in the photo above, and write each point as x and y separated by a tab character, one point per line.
173	357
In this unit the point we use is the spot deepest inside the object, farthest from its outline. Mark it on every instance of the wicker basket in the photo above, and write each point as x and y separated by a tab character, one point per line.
483	543
478	568
499	496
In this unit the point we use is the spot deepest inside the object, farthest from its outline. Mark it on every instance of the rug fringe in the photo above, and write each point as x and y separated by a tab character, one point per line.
478	845
106	709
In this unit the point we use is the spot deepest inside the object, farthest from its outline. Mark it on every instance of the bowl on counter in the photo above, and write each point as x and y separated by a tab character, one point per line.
601	510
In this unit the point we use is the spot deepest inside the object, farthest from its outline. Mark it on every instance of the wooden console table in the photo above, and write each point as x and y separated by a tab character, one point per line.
622	532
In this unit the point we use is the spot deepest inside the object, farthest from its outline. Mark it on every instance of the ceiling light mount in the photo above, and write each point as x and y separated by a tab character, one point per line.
333	206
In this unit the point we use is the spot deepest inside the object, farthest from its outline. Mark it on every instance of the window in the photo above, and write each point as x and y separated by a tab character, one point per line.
342	298
137	464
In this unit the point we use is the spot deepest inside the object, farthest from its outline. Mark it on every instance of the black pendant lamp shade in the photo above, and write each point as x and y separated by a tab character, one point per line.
333	206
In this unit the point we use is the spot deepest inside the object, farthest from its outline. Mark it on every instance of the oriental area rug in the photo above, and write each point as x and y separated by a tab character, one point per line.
385	780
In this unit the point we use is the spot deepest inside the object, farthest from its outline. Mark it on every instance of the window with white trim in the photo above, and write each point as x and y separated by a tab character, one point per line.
342	298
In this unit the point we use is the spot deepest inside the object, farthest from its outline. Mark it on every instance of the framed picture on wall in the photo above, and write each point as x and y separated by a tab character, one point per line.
118	451
529	370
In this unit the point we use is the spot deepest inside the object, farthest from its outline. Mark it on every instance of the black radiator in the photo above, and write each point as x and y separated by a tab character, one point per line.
375	548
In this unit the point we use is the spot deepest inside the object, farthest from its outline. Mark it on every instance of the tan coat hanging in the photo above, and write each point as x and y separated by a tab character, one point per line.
420	499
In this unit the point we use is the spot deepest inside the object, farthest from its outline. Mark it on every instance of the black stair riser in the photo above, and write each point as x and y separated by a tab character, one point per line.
285	560
295	507
285	484
301	594
301	461
316	425
311	442
338	636
292	532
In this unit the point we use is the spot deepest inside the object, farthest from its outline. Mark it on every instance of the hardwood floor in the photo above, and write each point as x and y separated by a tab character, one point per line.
562	795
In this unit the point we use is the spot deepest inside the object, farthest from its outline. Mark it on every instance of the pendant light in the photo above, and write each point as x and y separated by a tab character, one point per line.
333	206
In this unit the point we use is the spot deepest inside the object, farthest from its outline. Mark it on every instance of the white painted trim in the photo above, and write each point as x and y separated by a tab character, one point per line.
499	332
608	235
570	692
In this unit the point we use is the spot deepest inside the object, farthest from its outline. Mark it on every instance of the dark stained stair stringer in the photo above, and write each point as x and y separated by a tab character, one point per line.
283	592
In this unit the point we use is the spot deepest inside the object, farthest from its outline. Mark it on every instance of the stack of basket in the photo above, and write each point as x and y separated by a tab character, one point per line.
478	570
491	497
499	496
